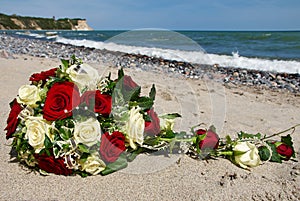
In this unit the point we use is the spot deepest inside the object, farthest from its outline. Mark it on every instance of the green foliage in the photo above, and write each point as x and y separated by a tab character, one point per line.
243	135
170	116
275	156
119	164
264	153
145	103
152	92
83	148
48	144
32	22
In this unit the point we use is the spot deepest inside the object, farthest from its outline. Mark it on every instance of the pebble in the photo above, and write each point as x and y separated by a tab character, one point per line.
235	74
10	45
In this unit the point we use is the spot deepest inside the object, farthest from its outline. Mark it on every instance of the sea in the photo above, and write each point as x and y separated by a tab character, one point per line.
277	51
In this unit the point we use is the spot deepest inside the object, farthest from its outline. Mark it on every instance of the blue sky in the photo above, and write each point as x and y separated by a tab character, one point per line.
167	14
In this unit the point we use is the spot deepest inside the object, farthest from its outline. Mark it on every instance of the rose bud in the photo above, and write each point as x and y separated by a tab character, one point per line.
211	141
284	150
12	120
43	76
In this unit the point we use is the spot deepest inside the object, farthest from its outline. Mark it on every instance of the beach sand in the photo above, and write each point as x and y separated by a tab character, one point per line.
230	108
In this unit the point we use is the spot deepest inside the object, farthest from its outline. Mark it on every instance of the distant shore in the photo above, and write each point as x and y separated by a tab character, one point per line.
10	45
16	22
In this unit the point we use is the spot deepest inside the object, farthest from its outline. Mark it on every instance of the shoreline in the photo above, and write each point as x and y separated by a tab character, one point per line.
10	45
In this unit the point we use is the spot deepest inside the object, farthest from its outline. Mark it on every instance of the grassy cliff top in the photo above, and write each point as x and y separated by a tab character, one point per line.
37	23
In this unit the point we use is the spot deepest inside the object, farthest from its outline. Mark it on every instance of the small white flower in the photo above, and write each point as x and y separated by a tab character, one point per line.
134	127
246	155
93	164
87	132
28	94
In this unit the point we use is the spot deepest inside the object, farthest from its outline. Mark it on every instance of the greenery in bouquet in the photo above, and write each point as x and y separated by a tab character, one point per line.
69	121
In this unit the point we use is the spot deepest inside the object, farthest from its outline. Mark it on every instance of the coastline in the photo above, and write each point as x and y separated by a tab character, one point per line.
227	75
248	108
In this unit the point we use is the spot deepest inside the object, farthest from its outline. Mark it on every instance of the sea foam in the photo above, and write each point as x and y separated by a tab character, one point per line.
198	57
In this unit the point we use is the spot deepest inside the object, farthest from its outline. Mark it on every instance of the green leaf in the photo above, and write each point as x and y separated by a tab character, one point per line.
228	139
84	157
145	103
151	141
131	156
120	73
83	148
201	137
82	174
134	94
65	63
264	153
55	151
152	92
170	116
169	134
119	164
147	118
243	135
117	97
275	156
287	140
47	142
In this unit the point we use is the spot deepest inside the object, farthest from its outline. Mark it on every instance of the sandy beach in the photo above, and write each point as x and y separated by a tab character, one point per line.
231	108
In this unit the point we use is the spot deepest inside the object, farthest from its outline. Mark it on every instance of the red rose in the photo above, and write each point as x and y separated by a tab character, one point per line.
284	150
152	127
112	146
43	75
211	141
102	103
51	164
61	99
128	83
12	120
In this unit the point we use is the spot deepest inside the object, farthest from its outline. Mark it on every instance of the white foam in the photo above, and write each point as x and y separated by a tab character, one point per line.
35	35
198	57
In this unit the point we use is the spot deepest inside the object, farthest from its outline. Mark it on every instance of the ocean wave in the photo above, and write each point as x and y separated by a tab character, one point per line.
198	57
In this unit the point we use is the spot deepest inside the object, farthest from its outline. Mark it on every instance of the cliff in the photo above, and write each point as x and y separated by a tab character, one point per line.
38	23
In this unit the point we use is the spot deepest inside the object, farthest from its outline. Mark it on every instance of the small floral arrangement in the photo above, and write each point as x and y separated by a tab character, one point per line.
69	121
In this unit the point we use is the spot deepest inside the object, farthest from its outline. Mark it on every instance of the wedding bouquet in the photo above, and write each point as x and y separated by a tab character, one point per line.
69	121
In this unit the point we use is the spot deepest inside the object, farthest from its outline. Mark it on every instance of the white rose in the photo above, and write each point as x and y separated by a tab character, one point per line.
134	127
93	164
84	76
36	129
87	132
246	155
28	94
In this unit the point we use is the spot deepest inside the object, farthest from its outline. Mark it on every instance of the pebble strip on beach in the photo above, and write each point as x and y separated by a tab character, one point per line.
10	45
